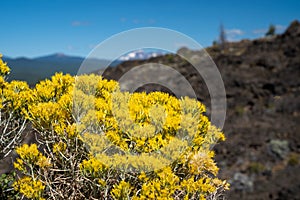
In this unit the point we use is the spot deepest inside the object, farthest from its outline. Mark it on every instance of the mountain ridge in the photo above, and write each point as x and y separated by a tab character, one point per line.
38	68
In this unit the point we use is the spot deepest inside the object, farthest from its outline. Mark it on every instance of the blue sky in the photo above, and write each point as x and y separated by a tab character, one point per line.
34	28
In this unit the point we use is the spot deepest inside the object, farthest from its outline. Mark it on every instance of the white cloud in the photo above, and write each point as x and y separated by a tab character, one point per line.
233	34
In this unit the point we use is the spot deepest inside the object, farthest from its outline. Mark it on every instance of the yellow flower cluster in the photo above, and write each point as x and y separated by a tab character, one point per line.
53	102
93	167
30	156
141	123
59	147
18	95
30	188
161	187
46	115
4	69
92	102
15	97
52	90
122	190
167	185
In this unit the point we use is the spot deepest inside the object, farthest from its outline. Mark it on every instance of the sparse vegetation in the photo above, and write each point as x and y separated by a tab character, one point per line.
256	167
293	159
271	31
6	190
222	37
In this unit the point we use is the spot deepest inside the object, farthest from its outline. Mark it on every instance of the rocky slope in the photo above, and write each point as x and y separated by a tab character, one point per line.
260	157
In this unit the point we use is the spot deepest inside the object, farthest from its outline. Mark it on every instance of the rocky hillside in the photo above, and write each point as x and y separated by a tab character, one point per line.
261	156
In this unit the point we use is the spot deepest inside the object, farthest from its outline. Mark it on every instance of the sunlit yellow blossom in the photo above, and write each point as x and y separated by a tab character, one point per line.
30	155
4	69
59	147
32	189
122	190
17	96
92	166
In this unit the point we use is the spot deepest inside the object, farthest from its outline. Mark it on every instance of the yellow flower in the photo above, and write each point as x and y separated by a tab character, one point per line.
52	90
31	156
4	69
102	182
17	96
92	166
59	147
122	190
30	188
19	164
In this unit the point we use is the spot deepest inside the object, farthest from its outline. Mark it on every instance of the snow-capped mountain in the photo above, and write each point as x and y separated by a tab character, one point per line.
140	55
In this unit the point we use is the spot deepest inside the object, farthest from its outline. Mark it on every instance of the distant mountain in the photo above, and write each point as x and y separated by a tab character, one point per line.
39	68
60	57
36	69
